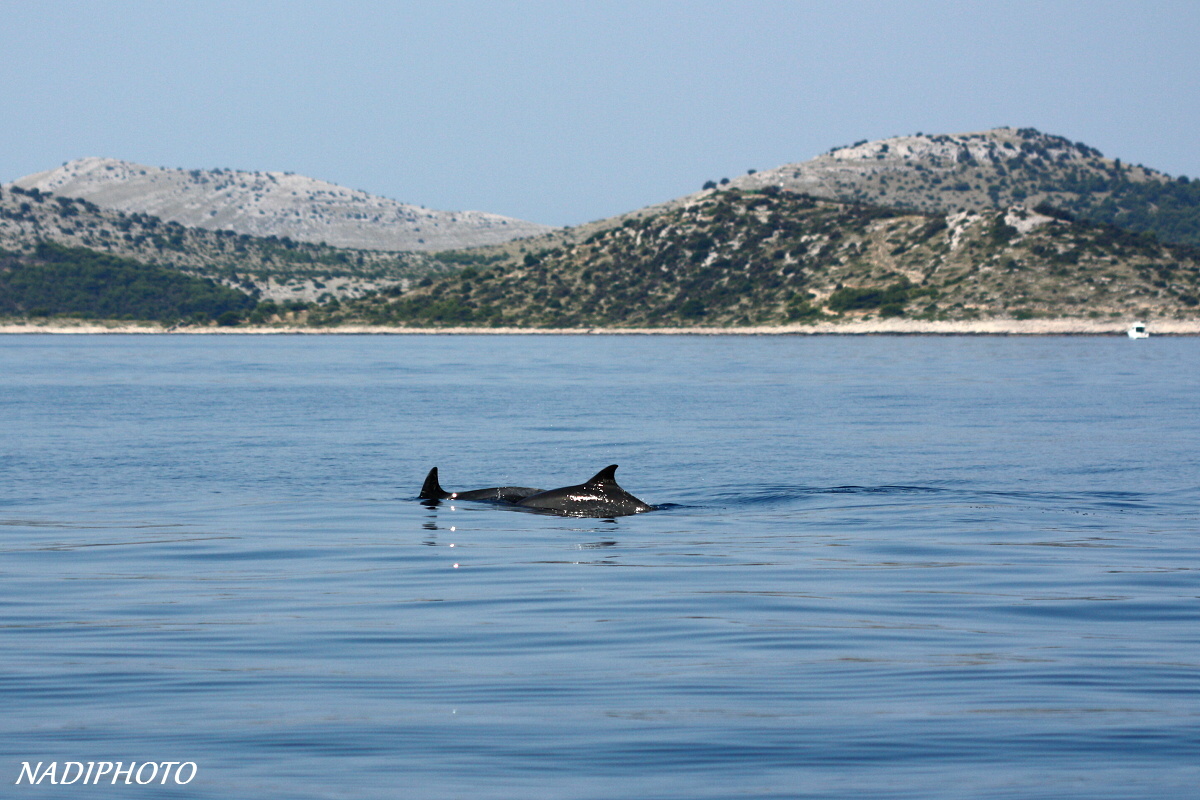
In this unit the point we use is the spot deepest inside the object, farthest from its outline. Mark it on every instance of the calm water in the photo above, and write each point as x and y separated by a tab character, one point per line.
891	567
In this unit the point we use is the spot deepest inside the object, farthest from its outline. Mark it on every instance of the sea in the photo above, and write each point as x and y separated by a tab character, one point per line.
886	567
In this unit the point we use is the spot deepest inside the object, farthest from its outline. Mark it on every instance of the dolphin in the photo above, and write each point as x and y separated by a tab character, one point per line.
432	490
598	497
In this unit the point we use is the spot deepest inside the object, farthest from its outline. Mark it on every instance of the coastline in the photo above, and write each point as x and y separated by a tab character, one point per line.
892	327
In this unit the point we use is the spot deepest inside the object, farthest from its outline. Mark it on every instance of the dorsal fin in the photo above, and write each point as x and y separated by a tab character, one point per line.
606	475
431	489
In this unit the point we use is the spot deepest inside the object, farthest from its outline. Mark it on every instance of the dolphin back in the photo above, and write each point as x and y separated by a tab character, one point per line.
432	490
600	496
499	494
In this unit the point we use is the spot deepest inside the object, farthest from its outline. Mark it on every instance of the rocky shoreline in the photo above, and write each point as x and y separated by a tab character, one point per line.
996	327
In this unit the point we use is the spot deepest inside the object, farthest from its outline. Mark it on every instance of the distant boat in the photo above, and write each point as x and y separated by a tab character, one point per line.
1138	331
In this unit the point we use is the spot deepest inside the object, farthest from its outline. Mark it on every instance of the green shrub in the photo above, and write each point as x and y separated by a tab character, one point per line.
86	284
863	298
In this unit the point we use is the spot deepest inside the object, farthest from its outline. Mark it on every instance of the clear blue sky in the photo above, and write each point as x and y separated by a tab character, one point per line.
564	112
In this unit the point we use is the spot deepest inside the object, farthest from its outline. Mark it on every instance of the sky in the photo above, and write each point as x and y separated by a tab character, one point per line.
565	112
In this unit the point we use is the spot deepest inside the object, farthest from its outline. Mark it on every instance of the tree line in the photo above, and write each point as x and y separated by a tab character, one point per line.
54	280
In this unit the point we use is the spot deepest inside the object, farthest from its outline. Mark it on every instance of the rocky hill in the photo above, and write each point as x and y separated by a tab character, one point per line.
274	204
992	170
1001	225
272	267
772	257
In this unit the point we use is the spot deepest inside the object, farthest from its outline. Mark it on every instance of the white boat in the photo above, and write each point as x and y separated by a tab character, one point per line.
1138	331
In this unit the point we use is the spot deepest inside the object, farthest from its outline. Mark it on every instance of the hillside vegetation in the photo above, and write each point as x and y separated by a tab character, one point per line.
277	267
76	282
775	257
993	170
1005	224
